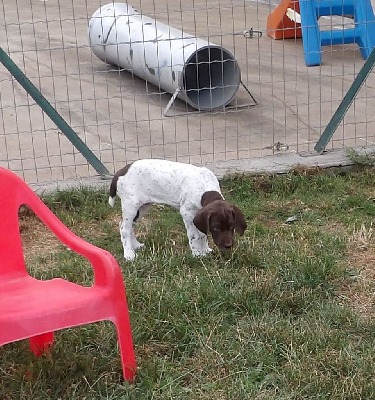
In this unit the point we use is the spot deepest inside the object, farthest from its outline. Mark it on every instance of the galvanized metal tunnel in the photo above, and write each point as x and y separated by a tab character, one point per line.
201	73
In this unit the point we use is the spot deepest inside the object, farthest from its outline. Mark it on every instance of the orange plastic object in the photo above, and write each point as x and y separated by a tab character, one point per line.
34	309
279	25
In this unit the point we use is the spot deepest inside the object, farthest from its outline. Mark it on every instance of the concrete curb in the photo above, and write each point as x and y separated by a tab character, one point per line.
281	163
267	165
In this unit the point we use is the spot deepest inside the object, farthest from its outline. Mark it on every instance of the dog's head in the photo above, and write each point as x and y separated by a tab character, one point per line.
222	219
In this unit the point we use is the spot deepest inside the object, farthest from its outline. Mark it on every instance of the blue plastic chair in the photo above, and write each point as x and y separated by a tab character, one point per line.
313	38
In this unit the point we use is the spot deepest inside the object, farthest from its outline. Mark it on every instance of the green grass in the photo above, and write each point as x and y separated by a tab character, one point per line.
276	318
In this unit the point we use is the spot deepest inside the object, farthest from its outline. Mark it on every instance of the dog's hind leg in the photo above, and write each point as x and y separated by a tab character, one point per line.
129	218
140	213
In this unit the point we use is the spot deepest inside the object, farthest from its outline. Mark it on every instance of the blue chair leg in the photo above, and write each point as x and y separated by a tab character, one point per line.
310	33
365	27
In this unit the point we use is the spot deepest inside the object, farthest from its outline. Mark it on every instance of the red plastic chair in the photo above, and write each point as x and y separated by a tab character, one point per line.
34	309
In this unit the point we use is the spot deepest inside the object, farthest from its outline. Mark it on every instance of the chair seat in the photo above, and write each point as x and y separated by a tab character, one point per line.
26	303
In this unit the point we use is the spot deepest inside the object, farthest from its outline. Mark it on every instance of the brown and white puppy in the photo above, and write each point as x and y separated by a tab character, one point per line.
194	191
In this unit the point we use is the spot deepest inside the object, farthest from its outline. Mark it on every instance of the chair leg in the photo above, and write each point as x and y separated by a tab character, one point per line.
310	33
125	341
365	21
126	352
41	344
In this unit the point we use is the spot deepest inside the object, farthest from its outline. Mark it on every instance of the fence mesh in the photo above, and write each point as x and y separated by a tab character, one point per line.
121	117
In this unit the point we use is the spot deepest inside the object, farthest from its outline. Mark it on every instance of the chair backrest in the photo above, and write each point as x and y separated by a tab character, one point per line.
13	193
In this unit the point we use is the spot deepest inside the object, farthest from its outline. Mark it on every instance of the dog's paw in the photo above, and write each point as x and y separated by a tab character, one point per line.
137	245
129	255
201	252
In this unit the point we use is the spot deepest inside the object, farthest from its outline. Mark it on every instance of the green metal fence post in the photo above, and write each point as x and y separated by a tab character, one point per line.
52	113
345	103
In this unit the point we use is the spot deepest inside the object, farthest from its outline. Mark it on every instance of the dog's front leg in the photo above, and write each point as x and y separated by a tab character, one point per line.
129	242
126	234
197	240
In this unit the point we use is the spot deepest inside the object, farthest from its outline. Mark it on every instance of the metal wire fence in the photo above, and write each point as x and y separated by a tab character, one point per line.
280	106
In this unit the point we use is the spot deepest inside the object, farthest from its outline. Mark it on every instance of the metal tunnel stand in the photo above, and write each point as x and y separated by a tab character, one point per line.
226	108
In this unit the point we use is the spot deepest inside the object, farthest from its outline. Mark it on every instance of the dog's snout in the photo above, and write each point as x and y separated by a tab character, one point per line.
226	244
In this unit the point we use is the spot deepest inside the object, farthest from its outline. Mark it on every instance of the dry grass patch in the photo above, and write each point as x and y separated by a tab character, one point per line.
37	239
361	260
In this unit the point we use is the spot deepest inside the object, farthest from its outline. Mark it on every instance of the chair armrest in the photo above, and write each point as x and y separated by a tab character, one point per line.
106	269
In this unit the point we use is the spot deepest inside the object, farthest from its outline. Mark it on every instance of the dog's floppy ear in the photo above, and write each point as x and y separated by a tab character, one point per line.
239	222
201	220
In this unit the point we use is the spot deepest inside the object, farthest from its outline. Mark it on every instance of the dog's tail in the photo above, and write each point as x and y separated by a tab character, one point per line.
112	201
113	191
113	188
